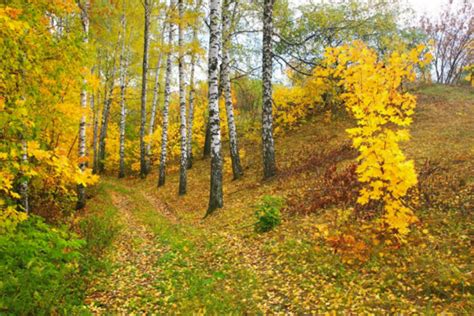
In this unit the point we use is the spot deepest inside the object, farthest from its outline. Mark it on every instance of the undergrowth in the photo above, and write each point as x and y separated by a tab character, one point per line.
40	267
46	268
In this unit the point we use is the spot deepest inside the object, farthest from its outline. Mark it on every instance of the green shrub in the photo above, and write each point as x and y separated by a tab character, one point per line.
39	269
268	213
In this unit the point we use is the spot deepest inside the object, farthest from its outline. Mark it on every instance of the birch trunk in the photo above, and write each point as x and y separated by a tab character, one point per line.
269	167
146	35
226	89
207	142
81	193
191	105
182	106
215	198
92	106
154	103
95	135
95	121
105	122
166	103
123	109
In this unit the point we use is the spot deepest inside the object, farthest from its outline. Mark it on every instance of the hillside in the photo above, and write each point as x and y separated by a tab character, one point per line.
322	257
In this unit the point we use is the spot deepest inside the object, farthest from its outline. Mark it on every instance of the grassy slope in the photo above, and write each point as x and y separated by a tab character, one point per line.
221	265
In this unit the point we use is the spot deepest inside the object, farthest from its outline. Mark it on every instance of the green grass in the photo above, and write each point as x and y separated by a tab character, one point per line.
193	273
99	226
447	93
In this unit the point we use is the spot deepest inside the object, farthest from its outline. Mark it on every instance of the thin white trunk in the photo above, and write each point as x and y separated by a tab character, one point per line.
95	105
95	129
269	167
191	104
105	120
182	106
166	103
81	194
215	198
225	77
123	108
154	103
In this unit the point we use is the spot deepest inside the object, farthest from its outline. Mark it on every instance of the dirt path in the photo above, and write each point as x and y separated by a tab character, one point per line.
162	207
130	285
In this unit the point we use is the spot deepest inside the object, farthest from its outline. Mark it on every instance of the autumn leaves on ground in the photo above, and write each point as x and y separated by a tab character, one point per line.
167	259
235	157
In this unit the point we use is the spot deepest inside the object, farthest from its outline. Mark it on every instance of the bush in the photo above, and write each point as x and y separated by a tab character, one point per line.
268	213
40	269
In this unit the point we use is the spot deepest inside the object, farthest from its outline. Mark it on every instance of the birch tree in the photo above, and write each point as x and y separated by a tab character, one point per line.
108	95
95	128
452	33
154	102
226	89
146	44
166	102
182	104
192	91
123	109
269	167
81	194
215	198
207	142
95	102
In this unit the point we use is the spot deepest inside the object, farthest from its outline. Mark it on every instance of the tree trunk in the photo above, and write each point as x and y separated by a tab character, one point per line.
269	167
166	103
151	127
123	110
81	190
105	122
182	106
191	104
207	141
95	102
215	198
95	130
225	77
146	35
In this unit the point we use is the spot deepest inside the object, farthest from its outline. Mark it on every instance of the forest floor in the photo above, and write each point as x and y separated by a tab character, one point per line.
168	259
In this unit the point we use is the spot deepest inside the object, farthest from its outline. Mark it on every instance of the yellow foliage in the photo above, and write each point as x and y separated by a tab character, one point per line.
290	106
375	98
9	217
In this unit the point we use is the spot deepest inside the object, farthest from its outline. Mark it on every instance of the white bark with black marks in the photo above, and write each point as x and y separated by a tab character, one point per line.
226	89
81	193
95	130
123	108
191	104
269	167
182	105
166	103
95	107
105	120
154	103
215	198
